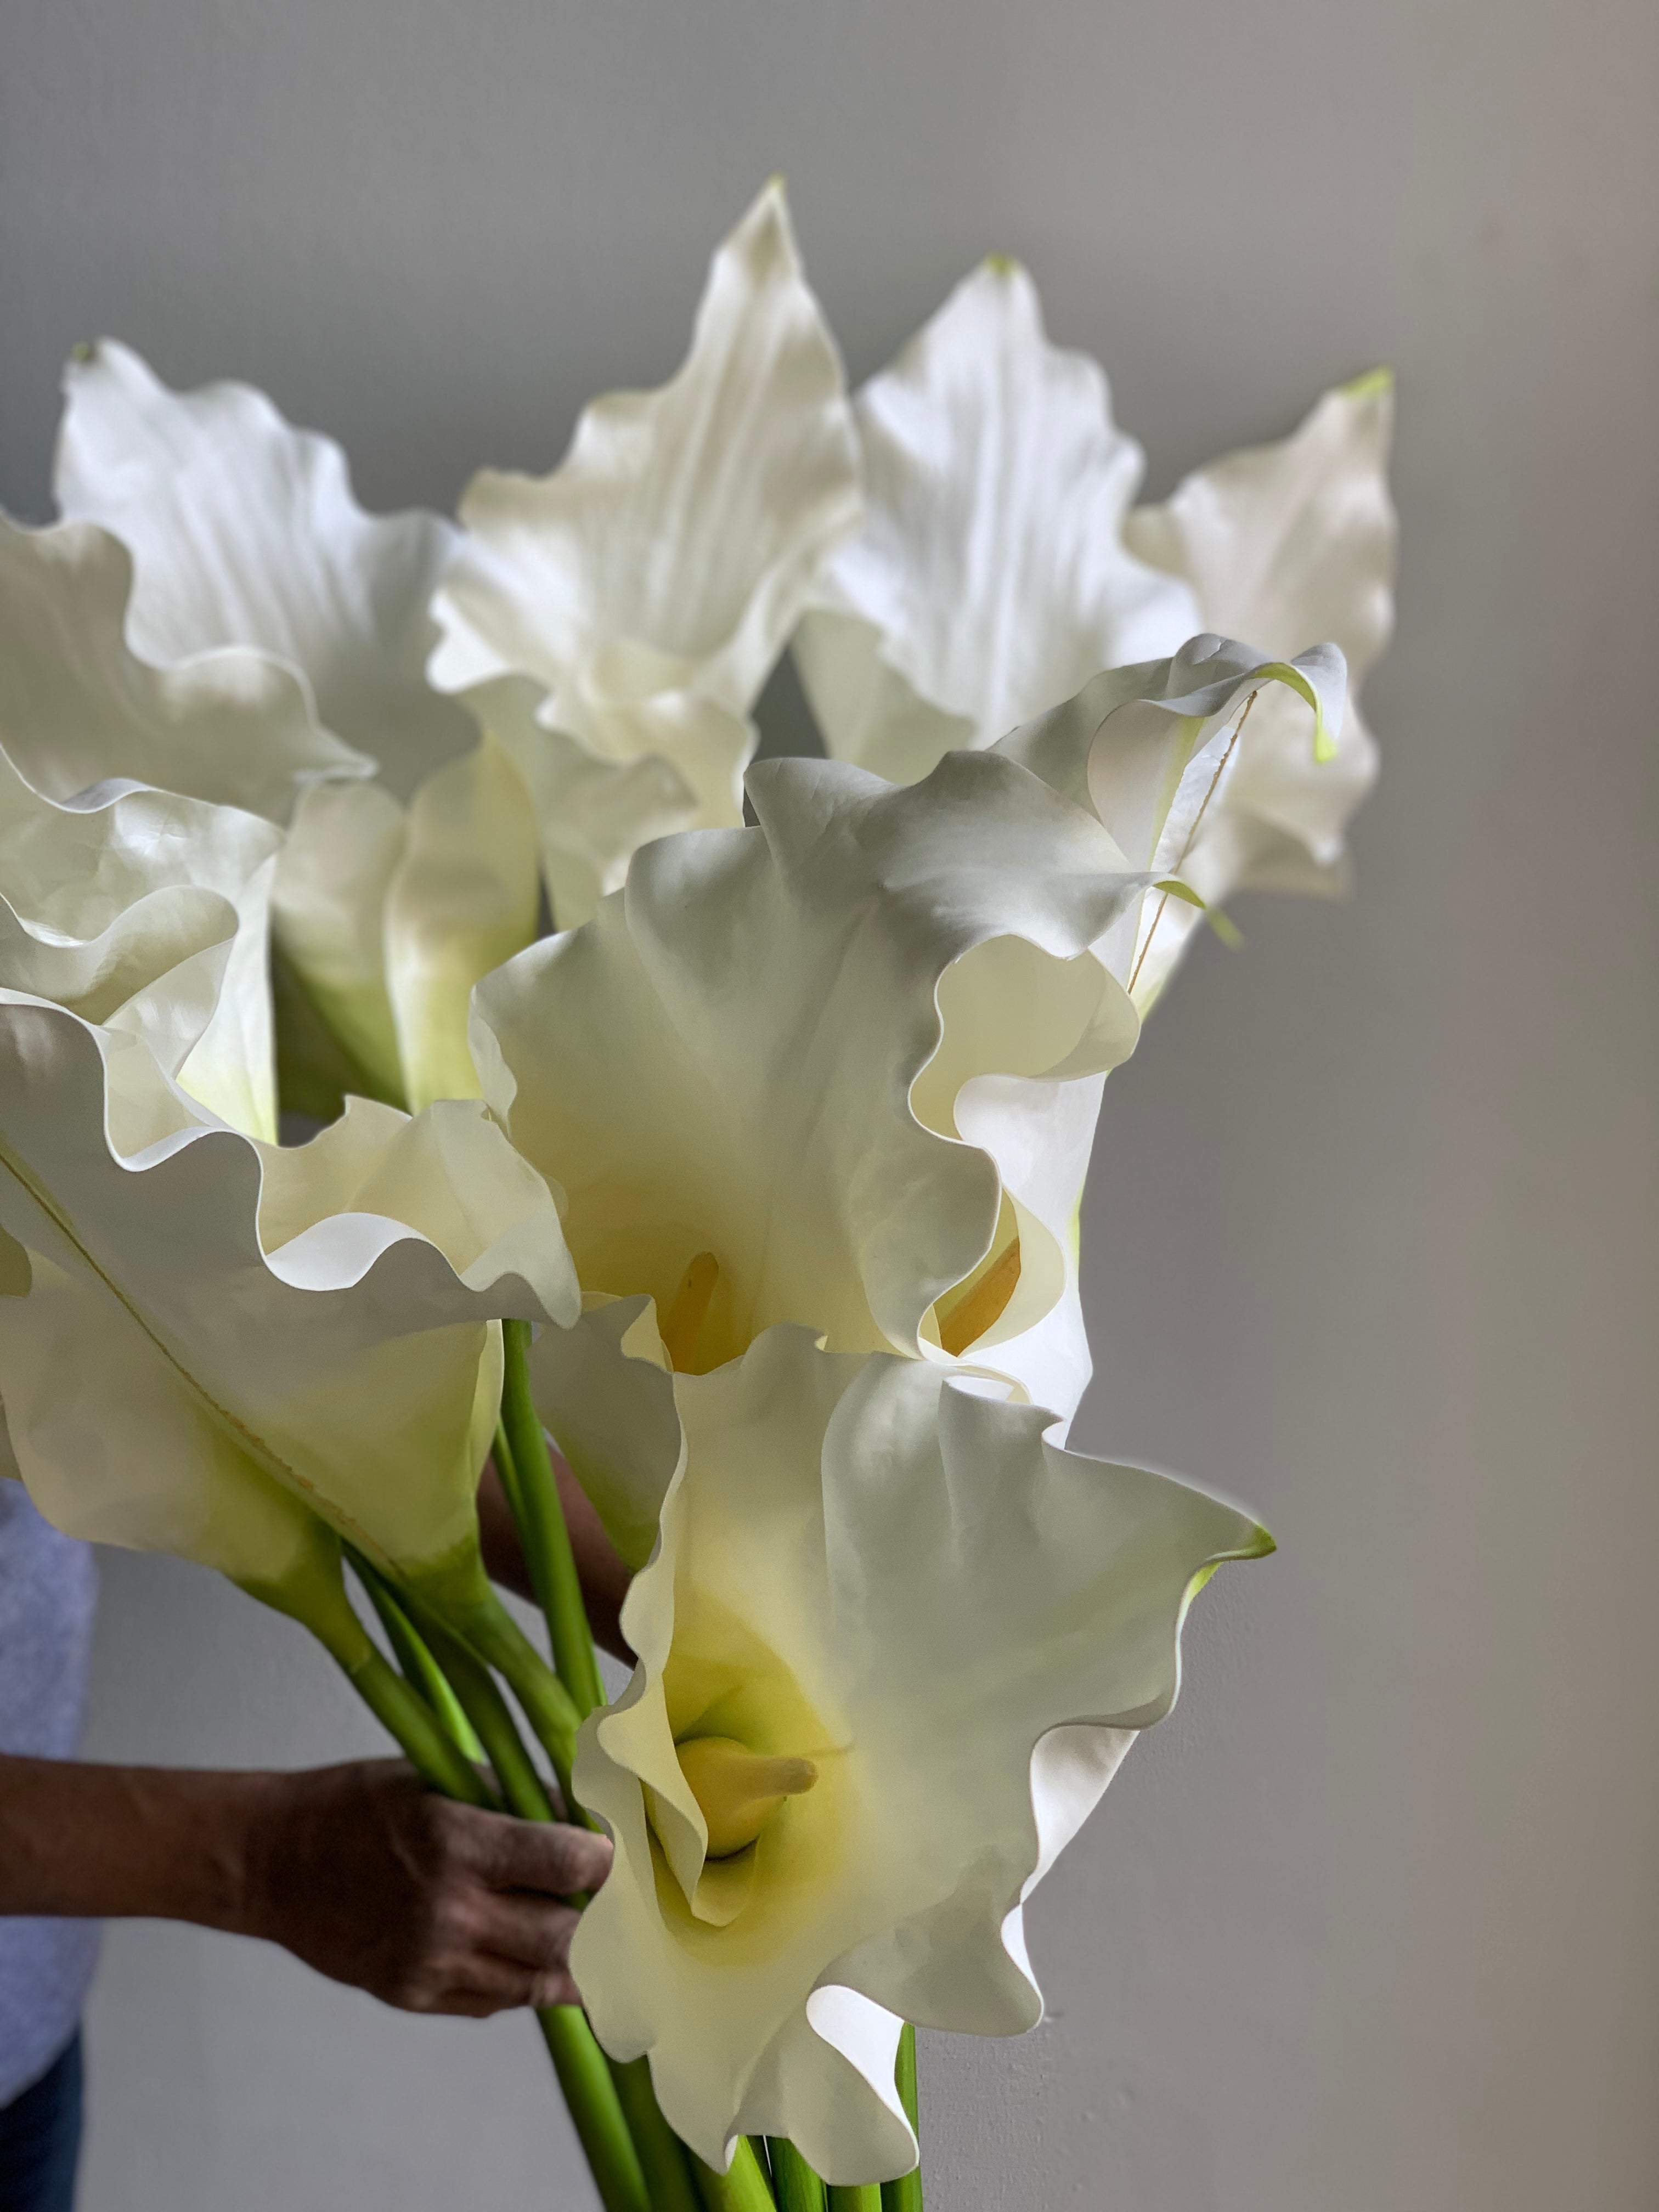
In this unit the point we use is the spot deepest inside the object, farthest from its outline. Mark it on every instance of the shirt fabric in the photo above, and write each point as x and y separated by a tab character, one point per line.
48	1588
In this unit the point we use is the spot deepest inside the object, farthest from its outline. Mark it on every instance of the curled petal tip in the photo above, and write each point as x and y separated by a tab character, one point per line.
1373	385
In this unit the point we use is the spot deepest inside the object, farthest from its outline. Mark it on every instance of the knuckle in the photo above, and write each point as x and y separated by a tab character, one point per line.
413	1992
578	1859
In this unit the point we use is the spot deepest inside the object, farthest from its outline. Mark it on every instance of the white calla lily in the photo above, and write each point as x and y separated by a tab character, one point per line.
649	583
892	1646
736	1069
991	579
245	531
213	1319
1000	565
843	1068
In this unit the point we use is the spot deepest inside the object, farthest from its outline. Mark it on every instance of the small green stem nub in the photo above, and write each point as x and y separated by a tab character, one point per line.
799	2189
585	2077
546	1540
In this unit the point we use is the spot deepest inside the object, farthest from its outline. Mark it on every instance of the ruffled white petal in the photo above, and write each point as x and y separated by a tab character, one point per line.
914	1587
606	1391
148	912
730	1057
79	707
245	532
592	814
323	1315
686	522
991	579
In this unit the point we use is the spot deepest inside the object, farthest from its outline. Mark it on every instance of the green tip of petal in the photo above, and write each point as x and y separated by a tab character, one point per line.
1374	383
1259	1545
82	352
1002	264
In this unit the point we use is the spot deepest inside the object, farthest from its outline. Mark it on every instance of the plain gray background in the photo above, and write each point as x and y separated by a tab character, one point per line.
1370	1241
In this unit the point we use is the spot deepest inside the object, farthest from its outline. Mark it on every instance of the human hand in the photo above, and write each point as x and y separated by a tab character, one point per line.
429	1905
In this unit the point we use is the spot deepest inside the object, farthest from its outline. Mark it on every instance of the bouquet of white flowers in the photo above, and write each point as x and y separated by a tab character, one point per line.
745	1160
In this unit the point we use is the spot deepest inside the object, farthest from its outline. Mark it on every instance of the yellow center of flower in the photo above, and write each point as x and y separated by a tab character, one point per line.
682	1325
738	1790
981	1301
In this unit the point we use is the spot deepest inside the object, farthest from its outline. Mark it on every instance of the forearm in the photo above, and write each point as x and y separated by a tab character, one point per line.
605	1578
117	1841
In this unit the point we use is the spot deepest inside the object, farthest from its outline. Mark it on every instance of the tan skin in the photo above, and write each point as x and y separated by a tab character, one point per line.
431	1906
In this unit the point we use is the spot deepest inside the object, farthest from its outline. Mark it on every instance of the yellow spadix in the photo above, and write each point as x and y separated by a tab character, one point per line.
737	1789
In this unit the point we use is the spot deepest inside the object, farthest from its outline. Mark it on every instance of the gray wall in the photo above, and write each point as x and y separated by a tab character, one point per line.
1370	1922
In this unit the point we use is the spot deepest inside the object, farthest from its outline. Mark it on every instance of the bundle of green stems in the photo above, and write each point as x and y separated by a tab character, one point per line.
457	1722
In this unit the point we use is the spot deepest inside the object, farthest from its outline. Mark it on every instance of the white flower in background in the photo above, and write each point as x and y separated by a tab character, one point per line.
244	532
649	583
892	1650
1001	565
392	897
991	579
843	1068
1283	545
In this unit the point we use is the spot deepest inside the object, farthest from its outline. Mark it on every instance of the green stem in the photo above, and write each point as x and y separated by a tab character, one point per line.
434	1754
591	2094
665	2158
583	2071
491	1634
798	2188
867	2197
487	1709
421	1670
744	2189
501	1451
542	1527
904	2194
